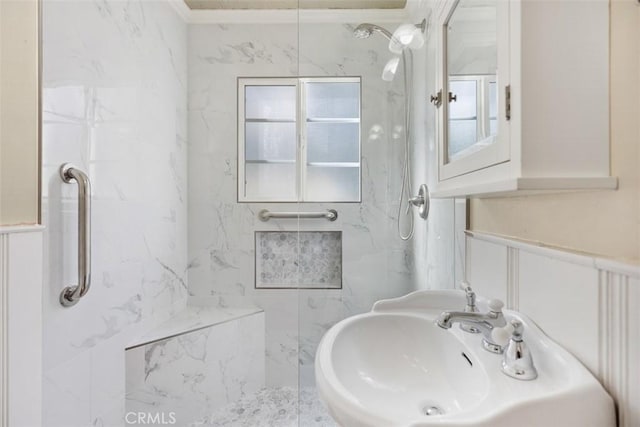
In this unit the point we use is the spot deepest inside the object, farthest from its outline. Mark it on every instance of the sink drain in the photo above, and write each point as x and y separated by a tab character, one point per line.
431	410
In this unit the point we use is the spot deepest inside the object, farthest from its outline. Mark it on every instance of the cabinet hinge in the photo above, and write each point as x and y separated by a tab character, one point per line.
507	102
437	99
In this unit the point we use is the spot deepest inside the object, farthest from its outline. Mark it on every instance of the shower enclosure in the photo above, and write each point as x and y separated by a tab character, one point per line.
247	170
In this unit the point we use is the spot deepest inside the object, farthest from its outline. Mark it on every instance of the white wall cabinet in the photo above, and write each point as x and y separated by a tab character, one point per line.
539	122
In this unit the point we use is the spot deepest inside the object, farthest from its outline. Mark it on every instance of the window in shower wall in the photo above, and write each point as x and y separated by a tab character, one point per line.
299	139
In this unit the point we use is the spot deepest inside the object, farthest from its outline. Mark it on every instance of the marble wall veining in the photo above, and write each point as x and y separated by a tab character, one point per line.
114	104
376	264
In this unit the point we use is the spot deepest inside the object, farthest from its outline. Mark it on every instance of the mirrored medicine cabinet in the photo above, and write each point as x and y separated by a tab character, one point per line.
516	84
472	79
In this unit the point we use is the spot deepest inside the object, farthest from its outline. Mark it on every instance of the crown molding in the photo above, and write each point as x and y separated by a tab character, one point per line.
287	16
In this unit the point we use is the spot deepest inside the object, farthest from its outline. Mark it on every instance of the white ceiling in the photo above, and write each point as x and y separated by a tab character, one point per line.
295	4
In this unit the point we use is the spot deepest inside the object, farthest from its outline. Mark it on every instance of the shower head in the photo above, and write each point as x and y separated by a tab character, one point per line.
365	30
408	36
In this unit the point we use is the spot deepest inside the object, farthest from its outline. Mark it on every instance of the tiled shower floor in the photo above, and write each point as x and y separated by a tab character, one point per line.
272	407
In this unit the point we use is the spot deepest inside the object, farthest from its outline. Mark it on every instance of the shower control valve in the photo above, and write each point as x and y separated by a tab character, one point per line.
421	201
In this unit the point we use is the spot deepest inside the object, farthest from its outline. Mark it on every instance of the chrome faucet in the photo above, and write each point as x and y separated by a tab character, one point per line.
471	299
485	323
518	362
470	308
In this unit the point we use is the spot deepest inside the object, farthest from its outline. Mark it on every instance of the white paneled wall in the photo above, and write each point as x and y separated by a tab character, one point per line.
589	305
21	326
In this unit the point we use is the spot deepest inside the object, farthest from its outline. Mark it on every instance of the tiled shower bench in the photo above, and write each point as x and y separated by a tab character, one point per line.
201	359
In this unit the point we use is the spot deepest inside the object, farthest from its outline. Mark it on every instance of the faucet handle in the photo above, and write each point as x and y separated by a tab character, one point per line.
471	301
495	305
502	336
518	329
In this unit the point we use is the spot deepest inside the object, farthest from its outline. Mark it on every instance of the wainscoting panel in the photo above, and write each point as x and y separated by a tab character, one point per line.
589	305
20	326
563	299
484	267
632	398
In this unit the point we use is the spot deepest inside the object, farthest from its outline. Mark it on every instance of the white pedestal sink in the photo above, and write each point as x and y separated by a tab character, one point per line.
394	366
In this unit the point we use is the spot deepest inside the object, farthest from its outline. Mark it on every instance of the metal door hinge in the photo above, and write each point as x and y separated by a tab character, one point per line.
507	102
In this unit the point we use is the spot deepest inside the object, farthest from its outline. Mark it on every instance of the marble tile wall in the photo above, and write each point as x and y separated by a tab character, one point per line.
114	103
194	374
376	264
434	246
116	78
291	259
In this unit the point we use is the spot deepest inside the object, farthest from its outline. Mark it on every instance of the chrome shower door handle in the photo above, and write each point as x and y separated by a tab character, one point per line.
72	294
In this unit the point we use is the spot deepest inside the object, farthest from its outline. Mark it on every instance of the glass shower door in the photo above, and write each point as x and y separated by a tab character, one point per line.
358	259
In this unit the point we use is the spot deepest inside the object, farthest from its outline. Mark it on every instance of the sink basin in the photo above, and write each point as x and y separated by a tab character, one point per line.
407	364
394	366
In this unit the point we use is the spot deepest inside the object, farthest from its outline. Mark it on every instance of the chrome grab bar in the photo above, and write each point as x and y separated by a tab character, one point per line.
330	214
72	294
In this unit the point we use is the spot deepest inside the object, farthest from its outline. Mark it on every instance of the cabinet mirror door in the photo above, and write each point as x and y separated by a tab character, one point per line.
472	76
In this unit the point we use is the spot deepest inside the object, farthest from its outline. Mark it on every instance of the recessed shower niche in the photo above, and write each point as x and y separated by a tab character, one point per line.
305	259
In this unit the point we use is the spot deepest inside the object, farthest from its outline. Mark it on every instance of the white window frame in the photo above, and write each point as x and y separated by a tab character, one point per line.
301	121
